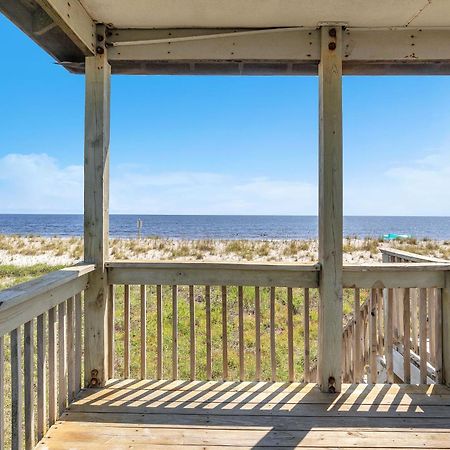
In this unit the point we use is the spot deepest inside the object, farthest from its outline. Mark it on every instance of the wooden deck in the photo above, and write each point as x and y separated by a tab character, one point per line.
214	415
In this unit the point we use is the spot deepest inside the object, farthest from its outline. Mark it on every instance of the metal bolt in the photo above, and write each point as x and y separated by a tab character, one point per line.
99	37
100	50
332	46
332	32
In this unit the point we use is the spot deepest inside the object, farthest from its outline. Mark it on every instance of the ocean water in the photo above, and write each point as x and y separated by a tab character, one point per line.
225	227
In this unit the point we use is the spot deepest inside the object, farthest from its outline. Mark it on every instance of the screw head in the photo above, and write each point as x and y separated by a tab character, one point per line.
332	32
100	50
332	46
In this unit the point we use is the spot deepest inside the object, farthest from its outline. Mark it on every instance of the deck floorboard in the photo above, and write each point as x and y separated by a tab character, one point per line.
214	415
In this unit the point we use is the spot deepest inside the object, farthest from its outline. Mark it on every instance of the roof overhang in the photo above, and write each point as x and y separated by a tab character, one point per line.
269	37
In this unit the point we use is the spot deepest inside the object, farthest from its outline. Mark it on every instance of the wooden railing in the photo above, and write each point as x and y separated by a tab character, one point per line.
395	332
41	320
213	321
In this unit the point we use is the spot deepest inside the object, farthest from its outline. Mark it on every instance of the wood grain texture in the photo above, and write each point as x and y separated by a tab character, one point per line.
211	415
330	209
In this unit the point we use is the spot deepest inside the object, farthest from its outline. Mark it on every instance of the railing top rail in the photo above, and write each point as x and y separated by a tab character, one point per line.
213	265
398	267
25	301
413	257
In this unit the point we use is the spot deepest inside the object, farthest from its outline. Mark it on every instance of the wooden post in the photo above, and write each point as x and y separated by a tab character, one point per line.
330	209
446	331
96	212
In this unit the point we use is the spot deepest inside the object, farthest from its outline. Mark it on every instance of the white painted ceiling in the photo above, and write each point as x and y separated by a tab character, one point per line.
268	13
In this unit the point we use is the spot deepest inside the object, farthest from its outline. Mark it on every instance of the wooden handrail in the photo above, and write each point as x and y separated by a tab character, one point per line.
411	257
51	304
24	302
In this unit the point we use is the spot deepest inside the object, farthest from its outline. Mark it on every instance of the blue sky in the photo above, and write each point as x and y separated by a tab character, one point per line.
245	145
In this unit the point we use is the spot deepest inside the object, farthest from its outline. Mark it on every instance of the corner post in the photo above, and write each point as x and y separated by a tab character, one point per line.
96	211
330	209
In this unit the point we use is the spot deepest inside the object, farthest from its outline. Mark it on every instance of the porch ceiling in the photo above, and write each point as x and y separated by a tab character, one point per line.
263	37
268	13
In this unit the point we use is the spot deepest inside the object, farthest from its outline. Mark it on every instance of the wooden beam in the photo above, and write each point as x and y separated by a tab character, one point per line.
96	213
73	19
330	209
213	274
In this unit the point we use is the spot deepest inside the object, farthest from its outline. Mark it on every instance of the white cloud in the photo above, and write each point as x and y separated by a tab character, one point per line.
418	187
37	183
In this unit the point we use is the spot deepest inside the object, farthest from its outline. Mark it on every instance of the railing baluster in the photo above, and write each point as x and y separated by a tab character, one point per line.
62	358
357	337
241	333
273	360
111	329
224	334
431	325
192	330
423	334
70	350
406	338
143	332
388	347
414	328
257	334
438	336
208	332
2	391
306	353
290	313
52	366
159	333
126	331
175	332
16	390
41	379
373	337
78	343
28	372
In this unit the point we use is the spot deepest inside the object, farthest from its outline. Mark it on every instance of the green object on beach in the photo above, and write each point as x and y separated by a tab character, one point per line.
392	236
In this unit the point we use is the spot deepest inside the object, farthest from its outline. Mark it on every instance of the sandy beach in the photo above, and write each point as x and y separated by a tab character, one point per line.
54	251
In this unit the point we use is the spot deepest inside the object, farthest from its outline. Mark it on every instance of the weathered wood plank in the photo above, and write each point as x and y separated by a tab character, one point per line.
423	335
330	209
62	357
96	211
406	337
224	334
192	332
28	374
126	331
52	377
16	390
78	341
273	356
290	324
111	329
306	351
389	333
257	334
213	274
41	377
241	333
159	333
71	388
174	332
25	301
143	320
208	332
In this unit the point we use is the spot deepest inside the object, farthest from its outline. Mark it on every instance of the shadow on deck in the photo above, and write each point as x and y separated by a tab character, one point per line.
213	415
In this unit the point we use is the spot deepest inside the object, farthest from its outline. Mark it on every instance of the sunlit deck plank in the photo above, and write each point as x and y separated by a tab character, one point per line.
194	415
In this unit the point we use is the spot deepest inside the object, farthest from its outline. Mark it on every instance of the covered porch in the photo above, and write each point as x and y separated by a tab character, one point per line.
86	372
